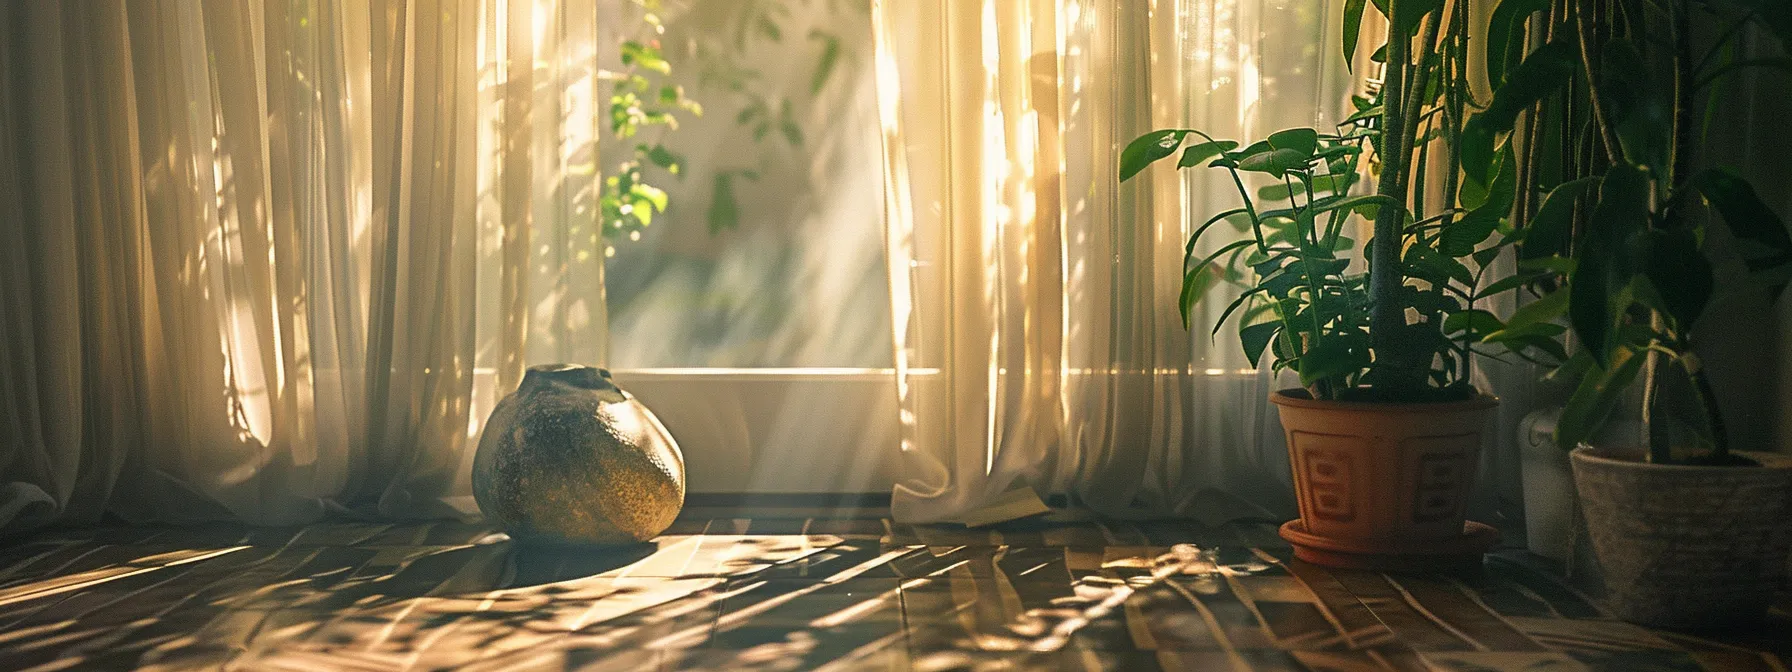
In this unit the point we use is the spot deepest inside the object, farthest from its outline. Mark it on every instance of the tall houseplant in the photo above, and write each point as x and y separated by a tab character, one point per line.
1384	434
1688	530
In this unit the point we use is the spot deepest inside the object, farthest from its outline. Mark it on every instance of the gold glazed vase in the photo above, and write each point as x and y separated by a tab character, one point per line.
571	458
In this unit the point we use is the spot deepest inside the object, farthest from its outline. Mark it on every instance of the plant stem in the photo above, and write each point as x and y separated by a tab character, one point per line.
1720	437
1386	314
1661	450
1613	151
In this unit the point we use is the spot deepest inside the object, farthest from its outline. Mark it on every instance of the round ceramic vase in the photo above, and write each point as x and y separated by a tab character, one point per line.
571	458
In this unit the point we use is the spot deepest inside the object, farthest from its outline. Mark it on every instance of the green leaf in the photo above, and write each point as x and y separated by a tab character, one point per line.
649	194
1203	151
1302	140
1509	283
1463	235
1255	148
1373	112
1275	162
1353	28
1242	298
724	212
1776	15
1602	268
1541	74
1321	184
1537	77
1188	252
1334	356
1743	211
643	56
1594	398
1551	227
1192	289
1412	15
1545	309
1681	275
1148	148
1640	111
1474	321
1506	35
769	28
824	64
1256	337
664	158
1195	283
1426	264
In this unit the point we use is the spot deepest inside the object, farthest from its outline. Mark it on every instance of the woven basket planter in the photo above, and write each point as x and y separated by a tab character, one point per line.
1687	547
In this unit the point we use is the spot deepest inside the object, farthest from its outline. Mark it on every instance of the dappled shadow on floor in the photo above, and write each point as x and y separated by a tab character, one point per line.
785	594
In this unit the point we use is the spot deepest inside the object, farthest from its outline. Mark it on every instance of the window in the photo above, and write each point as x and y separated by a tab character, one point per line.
753	314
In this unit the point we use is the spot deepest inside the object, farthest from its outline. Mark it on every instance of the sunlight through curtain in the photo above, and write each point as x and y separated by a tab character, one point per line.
1039	347
265	261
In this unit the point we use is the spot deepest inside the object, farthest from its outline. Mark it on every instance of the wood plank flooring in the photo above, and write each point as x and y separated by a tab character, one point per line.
787	592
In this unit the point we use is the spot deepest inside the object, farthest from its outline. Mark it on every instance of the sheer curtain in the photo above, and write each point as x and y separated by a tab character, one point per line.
1039	346
266	261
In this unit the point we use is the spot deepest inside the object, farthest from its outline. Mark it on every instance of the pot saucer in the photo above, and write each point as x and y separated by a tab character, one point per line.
1457	553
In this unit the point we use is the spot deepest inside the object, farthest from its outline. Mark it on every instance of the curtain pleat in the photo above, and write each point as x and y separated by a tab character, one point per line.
269	261
1039	346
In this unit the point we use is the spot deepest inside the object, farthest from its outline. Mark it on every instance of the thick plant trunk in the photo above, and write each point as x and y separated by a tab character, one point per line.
1386	315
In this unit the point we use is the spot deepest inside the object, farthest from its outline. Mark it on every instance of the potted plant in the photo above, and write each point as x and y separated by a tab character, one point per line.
1385	433
1688	531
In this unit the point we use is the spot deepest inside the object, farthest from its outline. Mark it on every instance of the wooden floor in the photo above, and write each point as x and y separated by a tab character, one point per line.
795	593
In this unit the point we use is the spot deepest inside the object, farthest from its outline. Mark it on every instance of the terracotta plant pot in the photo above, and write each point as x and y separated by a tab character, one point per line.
1687	547
1384	486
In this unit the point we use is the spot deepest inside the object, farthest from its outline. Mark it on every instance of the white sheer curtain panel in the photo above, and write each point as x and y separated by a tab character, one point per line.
265	261
1039	346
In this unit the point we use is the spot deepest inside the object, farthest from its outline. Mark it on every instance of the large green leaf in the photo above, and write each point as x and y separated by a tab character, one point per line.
1681	275
1412	15
1256	337
1303	140
1546	308
1195	284
1197	153
1474	322
1743	211
1776	15
1426	264
1353	28
1147	148
1594	398
1506	35
724	212
1541	74
1549	230
1461	237
1276	162
1602	267
1639	109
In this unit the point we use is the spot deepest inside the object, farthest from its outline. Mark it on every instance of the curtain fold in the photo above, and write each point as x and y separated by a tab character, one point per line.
1039	346
269	261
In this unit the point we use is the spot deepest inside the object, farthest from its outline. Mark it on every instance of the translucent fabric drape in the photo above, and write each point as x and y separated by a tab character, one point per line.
264	261
1039	346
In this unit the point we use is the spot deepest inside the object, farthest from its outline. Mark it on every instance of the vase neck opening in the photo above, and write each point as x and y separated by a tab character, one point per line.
586	377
